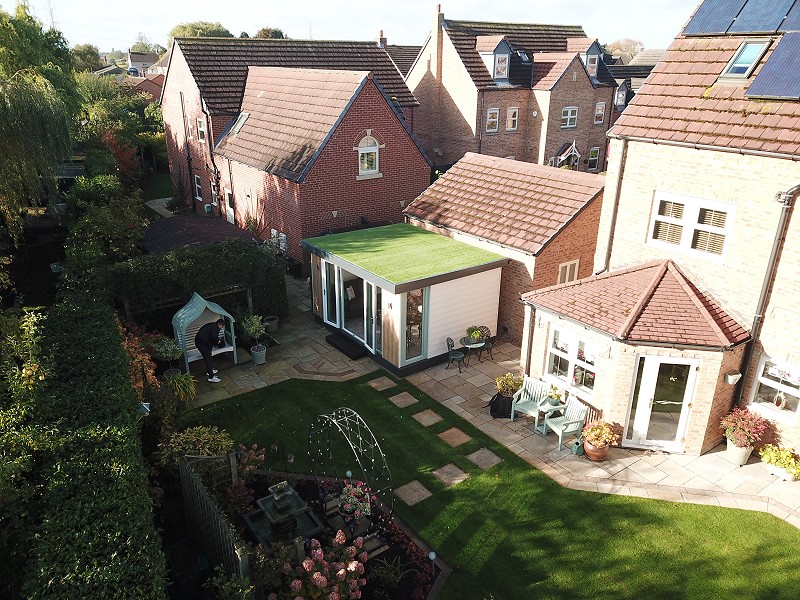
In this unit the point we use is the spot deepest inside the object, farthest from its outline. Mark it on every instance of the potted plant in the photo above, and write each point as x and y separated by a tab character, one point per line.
597	437
474	333
182	385
782	462
743	429
554	396
506	386
254	327
166	348
355	501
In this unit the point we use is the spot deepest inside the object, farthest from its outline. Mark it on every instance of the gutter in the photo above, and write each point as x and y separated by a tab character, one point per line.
787	199
615	206
742	151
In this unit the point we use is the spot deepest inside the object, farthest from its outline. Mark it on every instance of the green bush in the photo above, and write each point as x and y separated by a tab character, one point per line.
198	441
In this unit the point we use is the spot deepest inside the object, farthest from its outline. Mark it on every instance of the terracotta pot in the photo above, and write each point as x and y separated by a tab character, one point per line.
593	452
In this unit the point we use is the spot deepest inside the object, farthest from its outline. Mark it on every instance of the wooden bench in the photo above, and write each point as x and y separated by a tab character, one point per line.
187	341
570	422
528	398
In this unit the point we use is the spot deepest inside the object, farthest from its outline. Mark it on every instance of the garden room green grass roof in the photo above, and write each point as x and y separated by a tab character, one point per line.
401	257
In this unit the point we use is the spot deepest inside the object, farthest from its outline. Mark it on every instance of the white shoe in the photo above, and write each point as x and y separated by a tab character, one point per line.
214	379
215	371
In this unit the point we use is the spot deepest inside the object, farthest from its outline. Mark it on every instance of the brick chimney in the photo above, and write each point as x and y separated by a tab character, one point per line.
381	40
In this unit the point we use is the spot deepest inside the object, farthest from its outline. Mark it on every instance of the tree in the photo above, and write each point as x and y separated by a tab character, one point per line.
86	57
198	29
628	45
244	34
271	33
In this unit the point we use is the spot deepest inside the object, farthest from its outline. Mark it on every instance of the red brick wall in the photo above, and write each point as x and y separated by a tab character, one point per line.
577	241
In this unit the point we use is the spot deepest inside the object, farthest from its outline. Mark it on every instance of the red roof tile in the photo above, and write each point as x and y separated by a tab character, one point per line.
513	203
291	112
683	95
548	67
649	303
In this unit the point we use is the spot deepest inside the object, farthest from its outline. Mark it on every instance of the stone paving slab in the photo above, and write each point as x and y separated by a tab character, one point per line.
412	492
484	458
450	474
426	418
454	437
382	383
403	399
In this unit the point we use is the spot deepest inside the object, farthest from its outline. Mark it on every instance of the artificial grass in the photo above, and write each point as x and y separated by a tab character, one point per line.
403	253
510	531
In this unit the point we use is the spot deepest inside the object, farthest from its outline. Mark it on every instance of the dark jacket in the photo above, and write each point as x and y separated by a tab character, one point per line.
207	336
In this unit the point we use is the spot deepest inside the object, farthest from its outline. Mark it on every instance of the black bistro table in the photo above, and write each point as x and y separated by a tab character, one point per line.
471	345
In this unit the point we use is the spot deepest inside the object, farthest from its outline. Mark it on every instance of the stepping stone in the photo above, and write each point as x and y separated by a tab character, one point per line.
450	474
382	383
412	492
403	399
426	418
454	437
484	458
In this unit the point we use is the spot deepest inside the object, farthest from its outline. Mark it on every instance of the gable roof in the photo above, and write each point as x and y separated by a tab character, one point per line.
516	204
649	303
579	44
219	65
528	37
291	114
148	57
648	57
682	102
403	57
548	67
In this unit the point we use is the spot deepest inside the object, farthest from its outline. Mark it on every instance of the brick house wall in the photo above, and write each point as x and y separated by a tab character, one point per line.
332	197
504	143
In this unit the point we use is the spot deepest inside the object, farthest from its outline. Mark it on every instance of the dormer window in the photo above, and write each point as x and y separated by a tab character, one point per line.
501	66
591	64
239	122
746	59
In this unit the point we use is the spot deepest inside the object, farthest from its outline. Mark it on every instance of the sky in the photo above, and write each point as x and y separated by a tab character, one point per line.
112	24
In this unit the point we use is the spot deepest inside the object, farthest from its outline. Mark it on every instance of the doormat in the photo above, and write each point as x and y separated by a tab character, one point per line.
346	345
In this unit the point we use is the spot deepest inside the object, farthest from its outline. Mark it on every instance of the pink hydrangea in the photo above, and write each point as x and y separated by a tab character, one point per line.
334	596
359	541
287	568
341	574
355	594
339	539
319	580
352	566
351	552
318	554
308	564
296	585
315	544
362	557
362	581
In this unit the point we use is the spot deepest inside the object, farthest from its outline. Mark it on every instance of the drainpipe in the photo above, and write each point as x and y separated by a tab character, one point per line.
479	124
214	170
615	206
787	200
188	152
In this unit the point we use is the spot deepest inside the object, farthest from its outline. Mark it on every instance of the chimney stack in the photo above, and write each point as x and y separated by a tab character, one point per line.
381	40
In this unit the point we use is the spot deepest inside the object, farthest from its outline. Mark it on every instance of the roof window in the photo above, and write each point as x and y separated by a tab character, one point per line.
239	122
746	59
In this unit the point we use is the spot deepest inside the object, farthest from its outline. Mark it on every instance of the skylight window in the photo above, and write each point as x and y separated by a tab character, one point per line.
239	122
746	59
523	56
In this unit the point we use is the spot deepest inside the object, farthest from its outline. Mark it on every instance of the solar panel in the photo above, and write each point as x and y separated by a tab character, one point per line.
714	16
792	22
759	16
779	77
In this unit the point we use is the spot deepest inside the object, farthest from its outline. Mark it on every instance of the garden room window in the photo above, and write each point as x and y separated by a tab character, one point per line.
493	120
368	149
570	363
569	117
777	390
693	224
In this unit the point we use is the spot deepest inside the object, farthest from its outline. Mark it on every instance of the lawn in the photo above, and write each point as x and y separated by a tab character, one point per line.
510	531
159	185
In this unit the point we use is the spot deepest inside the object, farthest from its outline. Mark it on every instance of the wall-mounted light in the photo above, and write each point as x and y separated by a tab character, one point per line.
733	377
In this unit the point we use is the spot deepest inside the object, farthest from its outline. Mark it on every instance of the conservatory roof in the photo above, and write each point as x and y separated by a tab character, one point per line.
402	257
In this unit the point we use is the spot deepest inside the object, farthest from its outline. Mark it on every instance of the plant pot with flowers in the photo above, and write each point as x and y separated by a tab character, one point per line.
782	462
167	349
506	386
255	327
355	501
743	430
598	436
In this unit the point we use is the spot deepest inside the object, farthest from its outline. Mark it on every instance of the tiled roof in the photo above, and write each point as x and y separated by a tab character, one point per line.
548	67
530	38
291	113
150	57
682	102
648	57
630	71
403	56
513	203
578	44
649	303
219	65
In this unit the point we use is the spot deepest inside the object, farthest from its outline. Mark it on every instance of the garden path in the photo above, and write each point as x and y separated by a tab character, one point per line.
708	479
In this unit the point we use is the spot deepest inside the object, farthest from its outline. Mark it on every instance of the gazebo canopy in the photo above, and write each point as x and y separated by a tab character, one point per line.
194	314
193	309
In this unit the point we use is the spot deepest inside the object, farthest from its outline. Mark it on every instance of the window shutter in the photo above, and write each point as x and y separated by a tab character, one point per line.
667	232
708	241
670	209
713	218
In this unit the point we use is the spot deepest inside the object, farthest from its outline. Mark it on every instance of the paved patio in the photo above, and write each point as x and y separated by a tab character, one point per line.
708	479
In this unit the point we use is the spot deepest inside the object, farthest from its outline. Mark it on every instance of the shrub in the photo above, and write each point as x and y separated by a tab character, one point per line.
182	385
600	434
198	441
743	427
508	384
254	327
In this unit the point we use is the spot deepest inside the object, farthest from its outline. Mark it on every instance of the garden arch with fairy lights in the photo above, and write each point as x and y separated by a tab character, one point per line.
371	460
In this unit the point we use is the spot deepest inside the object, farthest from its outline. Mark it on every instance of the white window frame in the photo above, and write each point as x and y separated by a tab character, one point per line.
190	130
744	69
568	271
569	117
575	353
600	113
501	65
620	96
594	157
689	223
591	64
201	130
198	188
240	121
493	117
785	385
512	118
365	148
283	245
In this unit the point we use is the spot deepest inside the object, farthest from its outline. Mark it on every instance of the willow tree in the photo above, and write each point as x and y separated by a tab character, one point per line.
34	137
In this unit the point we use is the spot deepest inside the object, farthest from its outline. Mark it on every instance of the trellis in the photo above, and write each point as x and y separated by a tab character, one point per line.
369	457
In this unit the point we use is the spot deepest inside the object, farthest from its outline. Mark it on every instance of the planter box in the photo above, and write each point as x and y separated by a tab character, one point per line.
780	472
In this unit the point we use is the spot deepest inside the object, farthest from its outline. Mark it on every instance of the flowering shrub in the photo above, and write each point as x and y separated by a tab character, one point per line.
249	459
507	384
355	499
743	427
335	573
600	434
785	458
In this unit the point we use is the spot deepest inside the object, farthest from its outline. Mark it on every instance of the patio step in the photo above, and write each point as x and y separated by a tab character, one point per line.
346	345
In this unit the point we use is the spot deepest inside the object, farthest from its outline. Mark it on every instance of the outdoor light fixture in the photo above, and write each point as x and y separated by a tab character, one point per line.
274	447
348	474
432	555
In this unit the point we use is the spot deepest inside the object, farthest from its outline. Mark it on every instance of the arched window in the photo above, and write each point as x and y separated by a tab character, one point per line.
368	155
